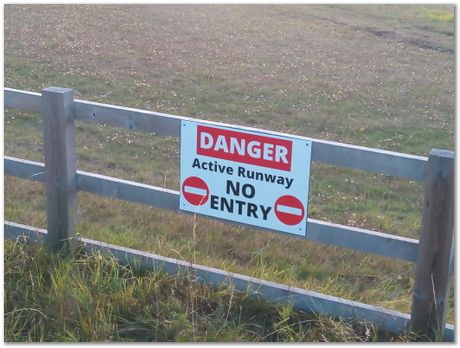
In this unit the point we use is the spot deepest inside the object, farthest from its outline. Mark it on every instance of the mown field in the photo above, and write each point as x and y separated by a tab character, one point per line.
379	76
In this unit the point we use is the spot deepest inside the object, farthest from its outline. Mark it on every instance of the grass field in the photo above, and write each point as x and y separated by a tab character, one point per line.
380	76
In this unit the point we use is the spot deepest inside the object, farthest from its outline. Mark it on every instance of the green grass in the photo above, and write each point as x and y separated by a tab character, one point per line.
438	15
89	297
318	71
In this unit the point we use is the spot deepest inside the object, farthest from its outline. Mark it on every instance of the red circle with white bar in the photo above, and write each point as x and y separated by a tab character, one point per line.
195	190
289	210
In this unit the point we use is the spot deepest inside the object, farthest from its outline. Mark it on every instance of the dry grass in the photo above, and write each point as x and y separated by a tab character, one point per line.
89	297
380	76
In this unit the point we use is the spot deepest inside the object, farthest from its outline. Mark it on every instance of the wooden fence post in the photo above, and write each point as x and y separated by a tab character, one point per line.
436	249
60	164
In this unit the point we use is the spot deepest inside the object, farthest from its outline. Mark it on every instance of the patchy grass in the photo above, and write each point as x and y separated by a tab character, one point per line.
379	76
89	297
440	15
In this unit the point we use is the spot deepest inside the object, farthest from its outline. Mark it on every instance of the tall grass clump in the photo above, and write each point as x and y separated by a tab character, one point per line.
90	297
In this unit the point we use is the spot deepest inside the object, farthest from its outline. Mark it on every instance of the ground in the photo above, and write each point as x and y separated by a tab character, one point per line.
373	75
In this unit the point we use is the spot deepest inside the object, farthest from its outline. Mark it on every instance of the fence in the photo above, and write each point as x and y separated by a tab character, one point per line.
433	253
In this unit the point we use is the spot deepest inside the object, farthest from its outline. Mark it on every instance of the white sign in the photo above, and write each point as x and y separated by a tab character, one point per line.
249	177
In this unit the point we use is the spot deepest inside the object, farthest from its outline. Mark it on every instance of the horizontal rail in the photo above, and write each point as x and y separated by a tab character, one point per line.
23	100
318	231
309	301
344	155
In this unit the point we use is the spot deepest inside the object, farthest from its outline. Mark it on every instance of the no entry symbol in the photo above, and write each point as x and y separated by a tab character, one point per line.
195	190
289	210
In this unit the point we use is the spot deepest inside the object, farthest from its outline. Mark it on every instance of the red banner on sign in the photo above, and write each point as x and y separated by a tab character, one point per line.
242	147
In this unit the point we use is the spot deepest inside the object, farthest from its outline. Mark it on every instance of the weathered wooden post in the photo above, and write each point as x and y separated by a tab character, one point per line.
436	249
60	164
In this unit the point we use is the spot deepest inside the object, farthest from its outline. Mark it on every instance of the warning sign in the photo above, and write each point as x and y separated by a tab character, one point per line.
244	176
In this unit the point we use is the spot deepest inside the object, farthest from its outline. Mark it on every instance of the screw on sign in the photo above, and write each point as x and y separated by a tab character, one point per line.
289	210
195	190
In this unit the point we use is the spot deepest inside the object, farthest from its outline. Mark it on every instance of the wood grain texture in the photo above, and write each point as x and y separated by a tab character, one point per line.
435	256
60	164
